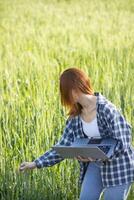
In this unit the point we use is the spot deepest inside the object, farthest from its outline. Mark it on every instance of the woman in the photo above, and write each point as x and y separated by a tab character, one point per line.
91	114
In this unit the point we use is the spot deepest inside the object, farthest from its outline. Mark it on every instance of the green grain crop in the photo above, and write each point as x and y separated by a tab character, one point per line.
38	40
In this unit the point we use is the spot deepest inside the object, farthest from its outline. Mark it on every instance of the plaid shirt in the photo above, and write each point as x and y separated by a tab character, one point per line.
119	169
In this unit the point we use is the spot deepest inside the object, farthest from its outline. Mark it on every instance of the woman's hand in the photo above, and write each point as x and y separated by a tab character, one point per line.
80	158
27	165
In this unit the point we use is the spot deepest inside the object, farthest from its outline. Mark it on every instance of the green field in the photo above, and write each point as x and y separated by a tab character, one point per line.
38	40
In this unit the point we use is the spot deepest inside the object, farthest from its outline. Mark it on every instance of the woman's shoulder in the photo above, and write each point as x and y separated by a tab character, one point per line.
72	120
106	105
69	119
112	112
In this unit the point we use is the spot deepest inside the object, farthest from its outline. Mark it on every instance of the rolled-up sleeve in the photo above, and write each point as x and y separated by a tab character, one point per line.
51	157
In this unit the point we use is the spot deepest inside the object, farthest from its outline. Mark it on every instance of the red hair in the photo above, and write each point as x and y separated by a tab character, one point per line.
74	78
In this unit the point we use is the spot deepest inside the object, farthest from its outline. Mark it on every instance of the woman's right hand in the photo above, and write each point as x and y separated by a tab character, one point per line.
80	158
27	165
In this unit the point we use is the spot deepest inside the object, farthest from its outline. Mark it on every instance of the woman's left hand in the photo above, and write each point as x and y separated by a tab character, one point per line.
80	158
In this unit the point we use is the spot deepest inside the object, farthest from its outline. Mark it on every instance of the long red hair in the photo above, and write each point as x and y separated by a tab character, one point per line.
74	78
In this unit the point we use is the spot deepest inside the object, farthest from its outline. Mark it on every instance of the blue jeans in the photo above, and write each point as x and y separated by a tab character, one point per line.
92	187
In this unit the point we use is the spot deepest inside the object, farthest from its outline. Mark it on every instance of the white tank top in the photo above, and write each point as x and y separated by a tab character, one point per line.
91	128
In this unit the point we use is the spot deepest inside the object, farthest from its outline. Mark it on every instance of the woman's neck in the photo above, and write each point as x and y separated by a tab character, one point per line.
88	104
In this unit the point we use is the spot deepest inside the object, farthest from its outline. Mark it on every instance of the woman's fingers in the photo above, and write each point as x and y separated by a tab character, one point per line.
90	159
84	159
23	166
77	157
27	165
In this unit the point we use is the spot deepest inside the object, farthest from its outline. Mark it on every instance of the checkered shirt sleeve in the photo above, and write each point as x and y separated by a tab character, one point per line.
51	157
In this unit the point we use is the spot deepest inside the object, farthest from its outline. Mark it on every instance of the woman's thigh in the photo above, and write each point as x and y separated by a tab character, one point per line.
119	192
92	184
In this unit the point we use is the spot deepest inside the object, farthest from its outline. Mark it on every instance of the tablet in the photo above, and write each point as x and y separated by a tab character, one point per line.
85	147
93	152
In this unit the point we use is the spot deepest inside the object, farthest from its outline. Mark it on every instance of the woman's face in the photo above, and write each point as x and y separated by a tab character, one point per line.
76	95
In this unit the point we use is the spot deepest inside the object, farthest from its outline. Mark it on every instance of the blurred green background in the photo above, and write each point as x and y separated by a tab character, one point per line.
38	40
